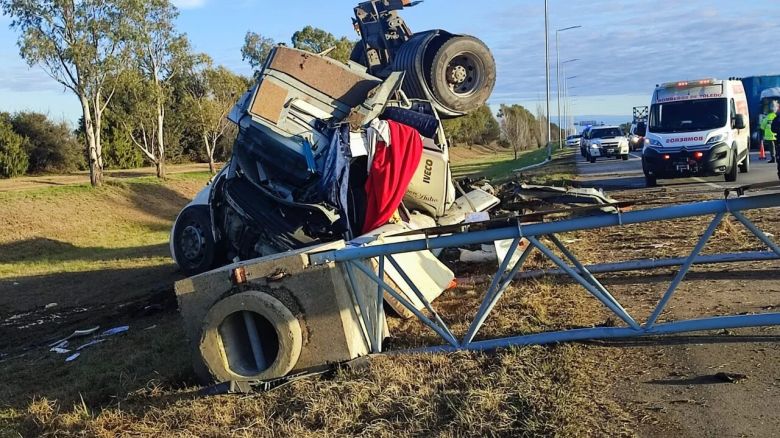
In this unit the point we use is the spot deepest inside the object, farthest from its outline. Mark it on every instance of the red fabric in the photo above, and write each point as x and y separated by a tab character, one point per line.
391	172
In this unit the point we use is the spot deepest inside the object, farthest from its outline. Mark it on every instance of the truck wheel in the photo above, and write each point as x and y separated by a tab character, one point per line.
625	157
463	74
731	175
745	166
592	159
193	243
651	180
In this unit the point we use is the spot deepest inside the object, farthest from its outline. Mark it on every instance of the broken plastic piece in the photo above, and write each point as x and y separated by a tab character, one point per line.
115	331
73	357
91	343
76	334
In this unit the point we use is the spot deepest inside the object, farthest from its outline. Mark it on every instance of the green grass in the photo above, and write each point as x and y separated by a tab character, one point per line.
500	165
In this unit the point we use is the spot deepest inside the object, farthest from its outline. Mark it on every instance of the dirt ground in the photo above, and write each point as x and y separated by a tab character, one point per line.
100	258
43	181
672	384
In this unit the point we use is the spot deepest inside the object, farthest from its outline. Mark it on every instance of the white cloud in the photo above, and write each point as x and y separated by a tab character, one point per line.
189	4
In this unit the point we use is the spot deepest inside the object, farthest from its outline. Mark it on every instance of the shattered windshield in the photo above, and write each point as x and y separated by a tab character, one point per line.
606	133
688	116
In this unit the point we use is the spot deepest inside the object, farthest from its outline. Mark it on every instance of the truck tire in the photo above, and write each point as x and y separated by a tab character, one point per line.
731	175
592	159
625	157
463	74
193	243
225	347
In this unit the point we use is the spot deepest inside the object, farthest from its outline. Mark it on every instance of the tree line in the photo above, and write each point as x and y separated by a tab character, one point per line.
145	95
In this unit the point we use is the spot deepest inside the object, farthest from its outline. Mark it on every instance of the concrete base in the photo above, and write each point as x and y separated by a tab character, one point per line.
318	297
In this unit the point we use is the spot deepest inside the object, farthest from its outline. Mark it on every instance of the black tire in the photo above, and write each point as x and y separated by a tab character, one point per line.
625	157
651	180
744	167
592	159
193	242
731	175
463	74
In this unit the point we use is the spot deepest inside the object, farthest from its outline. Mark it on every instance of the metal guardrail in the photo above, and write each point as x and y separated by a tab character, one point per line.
355	258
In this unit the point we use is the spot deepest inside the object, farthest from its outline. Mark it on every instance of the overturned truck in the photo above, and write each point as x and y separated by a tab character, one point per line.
329	155
329	151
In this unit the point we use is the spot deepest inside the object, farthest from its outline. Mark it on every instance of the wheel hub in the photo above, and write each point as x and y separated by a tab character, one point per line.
457	74
192	242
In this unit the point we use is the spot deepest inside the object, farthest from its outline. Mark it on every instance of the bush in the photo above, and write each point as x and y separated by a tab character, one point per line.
478	127
13	158
50	146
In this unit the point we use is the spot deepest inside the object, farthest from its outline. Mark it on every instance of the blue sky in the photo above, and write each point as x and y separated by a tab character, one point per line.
624	47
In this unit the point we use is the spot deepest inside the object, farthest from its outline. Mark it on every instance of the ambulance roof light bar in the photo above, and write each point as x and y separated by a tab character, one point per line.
684	84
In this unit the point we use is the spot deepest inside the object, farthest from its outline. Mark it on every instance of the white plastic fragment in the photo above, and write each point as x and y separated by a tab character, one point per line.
90	343
115	331
73	357
77	334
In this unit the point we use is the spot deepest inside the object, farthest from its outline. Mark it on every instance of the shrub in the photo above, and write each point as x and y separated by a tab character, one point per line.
13	158
50	146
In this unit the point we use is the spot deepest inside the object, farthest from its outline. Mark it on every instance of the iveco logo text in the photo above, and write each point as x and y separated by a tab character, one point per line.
684	139
428	171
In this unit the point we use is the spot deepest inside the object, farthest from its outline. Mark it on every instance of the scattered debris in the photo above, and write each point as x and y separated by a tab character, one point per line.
50	306
730	377
76	334
115	331
59	350
91	343
73	357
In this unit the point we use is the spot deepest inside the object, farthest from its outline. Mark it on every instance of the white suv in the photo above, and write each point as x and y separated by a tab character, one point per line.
605	141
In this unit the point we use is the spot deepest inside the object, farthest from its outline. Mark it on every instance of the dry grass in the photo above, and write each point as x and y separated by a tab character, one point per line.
142	385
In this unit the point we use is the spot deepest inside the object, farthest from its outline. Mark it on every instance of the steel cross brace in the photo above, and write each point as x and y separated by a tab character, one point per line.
373	318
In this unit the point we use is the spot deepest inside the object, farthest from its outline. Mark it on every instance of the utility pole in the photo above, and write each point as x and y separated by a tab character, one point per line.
558	77
547	77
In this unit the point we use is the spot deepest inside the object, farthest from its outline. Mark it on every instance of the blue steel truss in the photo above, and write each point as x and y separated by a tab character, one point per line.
372	318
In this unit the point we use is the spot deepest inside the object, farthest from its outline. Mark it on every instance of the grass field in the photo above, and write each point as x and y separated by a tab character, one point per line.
491	162
74	257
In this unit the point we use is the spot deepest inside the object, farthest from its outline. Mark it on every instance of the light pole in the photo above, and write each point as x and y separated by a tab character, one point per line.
566	108
558	74
547	77
560	121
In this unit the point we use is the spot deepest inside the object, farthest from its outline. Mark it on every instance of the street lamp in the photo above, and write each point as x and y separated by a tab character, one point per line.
561	129
558	74
547	77
566	106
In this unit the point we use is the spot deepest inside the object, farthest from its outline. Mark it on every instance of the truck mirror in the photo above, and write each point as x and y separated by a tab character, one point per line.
739	121
641	129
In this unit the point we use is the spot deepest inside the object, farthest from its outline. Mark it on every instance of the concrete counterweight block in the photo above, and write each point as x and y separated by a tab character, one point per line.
250	335
270	317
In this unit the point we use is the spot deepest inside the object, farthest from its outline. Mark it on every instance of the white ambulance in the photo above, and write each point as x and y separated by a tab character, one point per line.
697	128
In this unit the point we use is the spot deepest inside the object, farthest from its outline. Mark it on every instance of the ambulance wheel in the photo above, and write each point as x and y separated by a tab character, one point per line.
731	175
745	166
